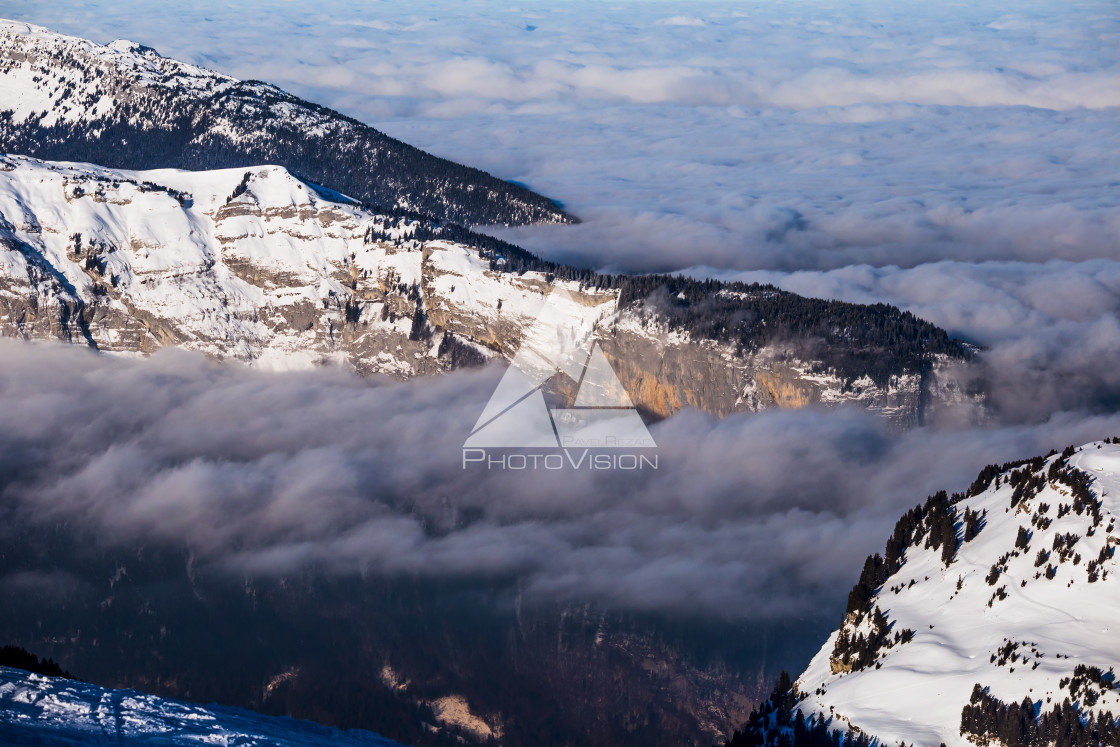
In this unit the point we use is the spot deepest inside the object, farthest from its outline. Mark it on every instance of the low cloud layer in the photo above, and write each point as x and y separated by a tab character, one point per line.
752	517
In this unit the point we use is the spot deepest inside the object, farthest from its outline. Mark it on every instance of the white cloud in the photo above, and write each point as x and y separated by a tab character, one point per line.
900	134
680	21
266	474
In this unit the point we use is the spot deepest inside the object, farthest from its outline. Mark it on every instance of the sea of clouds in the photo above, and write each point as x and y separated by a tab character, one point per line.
961	161
753	517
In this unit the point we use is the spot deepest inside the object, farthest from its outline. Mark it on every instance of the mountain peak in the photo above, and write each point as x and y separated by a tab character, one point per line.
1004	595
124	106
126	46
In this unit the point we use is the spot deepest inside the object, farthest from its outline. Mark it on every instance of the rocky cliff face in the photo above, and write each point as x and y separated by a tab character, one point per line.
664	372
258	266
423	664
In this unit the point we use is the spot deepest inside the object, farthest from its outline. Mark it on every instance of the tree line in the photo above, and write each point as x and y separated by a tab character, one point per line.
18	658
986	720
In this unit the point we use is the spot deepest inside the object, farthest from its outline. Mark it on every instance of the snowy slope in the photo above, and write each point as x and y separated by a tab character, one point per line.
1023	645
49	710
248	264
124	105
259	266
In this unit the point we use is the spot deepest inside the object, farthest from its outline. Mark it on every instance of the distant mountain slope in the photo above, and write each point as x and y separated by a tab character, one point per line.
992	618
259	266
53	711
262	264
125	106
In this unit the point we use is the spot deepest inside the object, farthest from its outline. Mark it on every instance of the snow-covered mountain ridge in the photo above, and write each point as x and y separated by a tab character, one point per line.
992	618
259	266
35	709
252	265
124	105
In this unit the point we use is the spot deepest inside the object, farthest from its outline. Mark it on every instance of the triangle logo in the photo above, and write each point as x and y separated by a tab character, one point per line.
600	386
558	349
